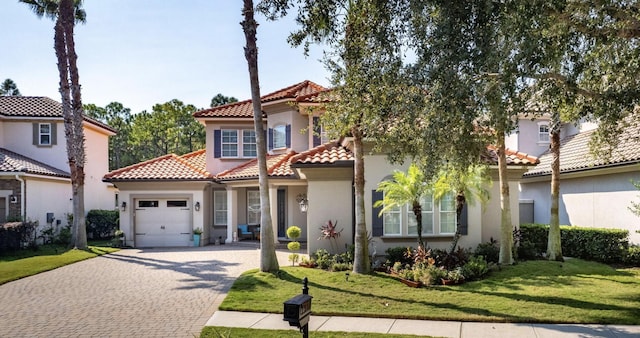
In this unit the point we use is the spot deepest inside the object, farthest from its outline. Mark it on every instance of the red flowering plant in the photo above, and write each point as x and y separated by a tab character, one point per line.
328	231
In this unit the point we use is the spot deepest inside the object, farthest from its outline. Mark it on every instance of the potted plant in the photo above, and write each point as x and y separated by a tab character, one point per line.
197	234
454	276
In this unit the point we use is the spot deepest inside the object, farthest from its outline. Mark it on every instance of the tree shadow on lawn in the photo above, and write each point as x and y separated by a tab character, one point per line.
207	274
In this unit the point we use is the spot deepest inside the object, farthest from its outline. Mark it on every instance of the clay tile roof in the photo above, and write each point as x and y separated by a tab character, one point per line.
328	153
513	157
189	167
575	153
305	91
14	162
277	166
38	106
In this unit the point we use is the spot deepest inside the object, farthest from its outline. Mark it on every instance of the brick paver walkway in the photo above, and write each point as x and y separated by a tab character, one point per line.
131	293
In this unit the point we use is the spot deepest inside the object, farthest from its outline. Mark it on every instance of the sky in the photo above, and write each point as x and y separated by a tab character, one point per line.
145	52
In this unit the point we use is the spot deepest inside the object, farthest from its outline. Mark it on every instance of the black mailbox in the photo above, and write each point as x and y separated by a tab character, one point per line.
297	310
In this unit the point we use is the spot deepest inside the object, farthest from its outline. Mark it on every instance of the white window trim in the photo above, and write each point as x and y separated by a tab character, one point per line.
548	133
40	134
455	220
223	143
284	136
406	212
242	144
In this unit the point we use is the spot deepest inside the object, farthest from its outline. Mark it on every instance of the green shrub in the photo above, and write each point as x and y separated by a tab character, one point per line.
632	256
14	235
294	232
429	275
102	223
341	267
293	246
489	250
398	254
476	268
323	258
64	236
595	244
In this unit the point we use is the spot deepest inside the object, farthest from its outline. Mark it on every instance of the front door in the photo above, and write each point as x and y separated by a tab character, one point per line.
282	213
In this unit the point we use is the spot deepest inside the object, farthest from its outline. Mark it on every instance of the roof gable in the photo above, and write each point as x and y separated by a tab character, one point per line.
305	91
277	166
189	167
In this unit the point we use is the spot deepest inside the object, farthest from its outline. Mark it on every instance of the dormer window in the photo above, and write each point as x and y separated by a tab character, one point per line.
229	143
45	134
543	132
279	136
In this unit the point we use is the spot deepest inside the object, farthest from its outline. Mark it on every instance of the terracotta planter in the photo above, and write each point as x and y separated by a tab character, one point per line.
411	283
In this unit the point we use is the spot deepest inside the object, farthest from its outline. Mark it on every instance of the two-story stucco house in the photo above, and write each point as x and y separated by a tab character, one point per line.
216	189
35	182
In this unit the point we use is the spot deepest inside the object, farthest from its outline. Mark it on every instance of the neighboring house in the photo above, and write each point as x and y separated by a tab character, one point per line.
35	182
594	191
216	189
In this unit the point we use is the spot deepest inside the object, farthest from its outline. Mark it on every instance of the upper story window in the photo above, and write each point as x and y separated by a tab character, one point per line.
279	136
234	143
229	143
249	147
44	134
543	132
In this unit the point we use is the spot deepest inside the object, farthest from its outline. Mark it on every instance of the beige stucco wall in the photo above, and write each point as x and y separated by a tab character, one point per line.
98	194
193	191
45	196
18	137
491	215
590	199
218	165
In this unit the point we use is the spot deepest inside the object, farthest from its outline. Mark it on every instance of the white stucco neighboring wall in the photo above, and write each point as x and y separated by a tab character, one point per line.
18	137
47	196
598	199
98	194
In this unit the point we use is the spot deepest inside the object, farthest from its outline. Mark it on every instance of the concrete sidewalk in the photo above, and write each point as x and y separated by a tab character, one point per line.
267	321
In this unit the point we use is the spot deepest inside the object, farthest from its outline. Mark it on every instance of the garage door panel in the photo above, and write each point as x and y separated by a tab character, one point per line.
163	222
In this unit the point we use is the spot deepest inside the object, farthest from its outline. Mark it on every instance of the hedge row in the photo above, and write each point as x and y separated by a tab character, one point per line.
102	223
595	244
14	236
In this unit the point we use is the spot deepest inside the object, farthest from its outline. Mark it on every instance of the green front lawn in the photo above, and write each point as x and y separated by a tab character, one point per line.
575	291
217	332
47	257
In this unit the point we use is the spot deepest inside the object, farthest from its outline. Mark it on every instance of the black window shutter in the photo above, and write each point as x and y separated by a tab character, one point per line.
377	226
464	224
316	131
270	143
217	143
288	136
36	134
54	133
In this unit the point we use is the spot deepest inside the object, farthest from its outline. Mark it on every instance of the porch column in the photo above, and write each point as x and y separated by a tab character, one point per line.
232	213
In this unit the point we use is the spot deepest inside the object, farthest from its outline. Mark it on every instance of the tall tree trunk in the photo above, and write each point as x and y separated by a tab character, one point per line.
361	262
72	115
268	258
554	246
417	211
506	226
460	201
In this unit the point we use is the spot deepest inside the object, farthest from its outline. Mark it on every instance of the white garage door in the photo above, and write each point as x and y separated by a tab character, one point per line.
162	222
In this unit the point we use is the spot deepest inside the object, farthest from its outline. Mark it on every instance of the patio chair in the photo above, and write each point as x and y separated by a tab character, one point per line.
243	232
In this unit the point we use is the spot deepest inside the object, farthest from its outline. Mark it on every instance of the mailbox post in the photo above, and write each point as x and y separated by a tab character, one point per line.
297	310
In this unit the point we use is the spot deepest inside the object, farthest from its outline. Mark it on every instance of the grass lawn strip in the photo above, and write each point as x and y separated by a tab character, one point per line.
218	332
575	291
27	262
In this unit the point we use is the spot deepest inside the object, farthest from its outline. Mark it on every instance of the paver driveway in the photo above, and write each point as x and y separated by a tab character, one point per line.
130	293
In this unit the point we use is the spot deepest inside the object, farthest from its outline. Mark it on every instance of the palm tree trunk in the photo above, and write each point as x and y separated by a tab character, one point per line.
554	246
361	262
268	258
506	226
417	211
460	201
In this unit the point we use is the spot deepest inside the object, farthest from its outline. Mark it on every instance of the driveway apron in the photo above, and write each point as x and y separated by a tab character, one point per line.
130	293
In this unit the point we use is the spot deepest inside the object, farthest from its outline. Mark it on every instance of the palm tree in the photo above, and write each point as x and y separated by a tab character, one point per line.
268	258
66	13
468	185
405	189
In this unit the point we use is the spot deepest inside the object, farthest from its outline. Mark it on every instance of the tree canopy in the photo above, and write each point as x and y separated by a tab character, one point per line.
9	88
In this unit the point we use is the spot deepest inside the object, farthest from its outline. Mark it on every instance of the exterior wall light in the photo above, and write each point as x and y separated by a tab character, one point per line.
123	206
197	206
303	202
